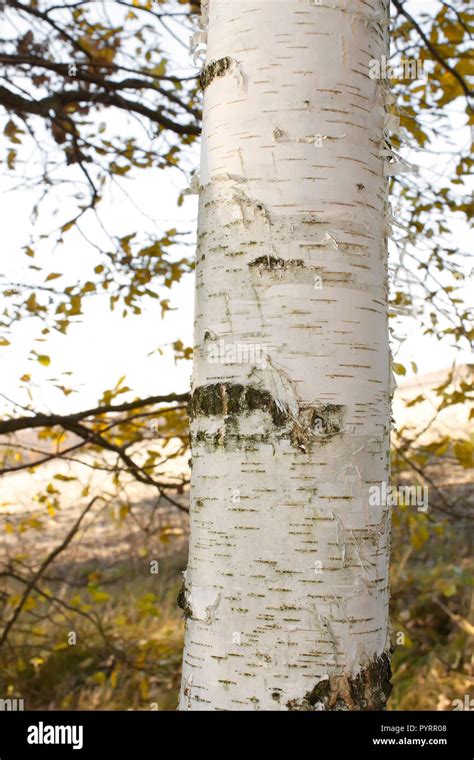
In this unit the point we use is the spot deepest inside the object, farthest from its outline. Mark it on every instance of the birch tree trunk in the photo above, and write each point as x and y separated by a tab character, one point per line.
286	590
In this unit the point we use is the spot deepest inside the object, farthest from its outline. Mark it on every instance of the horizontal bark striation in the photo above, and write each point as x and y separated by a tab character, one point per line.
369	690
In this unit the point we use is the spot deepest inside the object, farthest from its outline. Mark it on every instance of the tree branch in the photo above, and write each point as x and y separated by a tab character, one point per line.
400	8
57	100
50	420
44	565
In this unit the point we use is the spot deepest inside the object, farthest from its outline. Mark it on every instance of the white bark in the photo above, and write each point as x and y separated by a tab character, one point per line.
286	590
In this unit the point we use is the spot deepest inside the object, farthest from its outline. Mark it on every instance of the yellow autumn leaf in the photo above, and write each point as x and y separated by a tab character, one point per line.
11	131
399	369
68	225
11	155
464	453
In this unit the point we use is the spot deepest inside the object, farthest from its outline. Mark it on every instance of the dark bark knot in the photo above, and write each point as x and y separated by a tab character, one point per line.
229	399
369	690
214	69
182	600
272	263
317	423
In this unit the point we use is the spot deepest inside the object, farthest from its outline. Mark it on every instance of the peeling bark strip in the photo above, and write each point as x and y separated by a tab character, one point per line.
369	690
286	589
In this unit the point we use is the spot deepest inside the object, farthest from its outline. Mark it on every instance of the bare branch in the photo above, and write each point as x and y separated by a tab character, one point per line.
50	420
44	565
57	100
